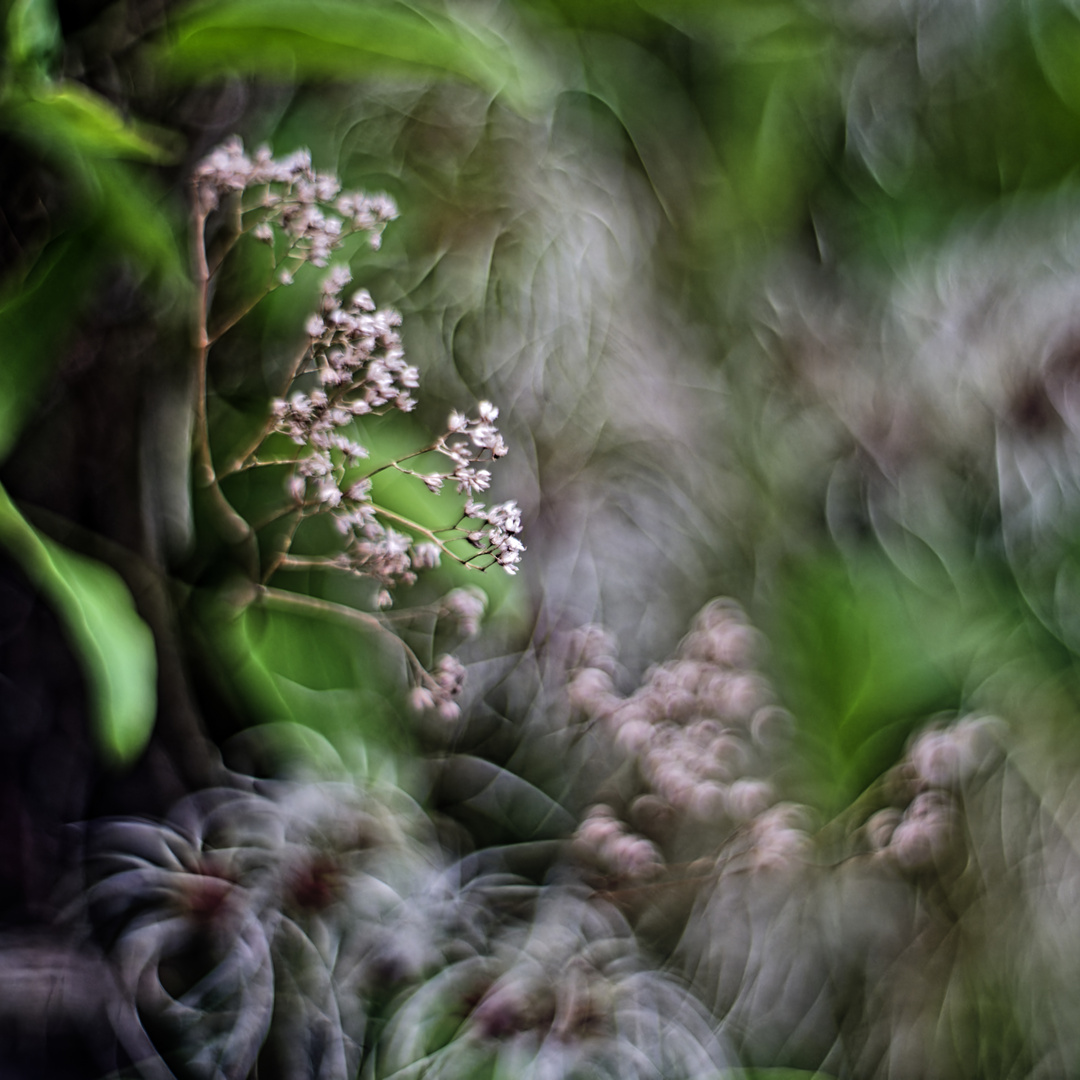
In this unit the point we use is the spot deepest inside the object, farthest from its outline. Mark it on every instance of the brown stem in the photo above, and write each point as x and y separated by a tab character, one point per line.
277	515
433	537
222	329
286	544
283	600
397	461
257	463
238	460
234	529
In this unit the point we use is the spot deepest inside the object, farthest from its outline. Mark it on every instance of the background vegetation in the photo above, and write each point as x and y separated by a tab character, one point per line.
777	300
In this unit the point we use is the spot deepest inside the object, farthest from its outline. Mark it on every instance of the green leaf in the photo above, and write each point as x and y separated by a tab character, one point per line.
1055	34
113	643
862	659
80	121
344	39
33	34
33	326
133	222
324	666
90	142
771	143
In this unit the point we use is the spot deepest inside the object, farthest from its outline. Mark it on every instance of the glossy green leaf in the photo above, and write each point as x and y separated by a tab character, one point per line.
319	665
863	659
83	122
343	39
33	34
34	323
133	221
91	144
114	645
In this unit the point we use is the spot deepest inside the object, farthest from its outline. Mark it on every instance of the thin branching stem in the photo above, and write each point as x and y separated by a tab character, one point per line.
286	545
298	603
232	526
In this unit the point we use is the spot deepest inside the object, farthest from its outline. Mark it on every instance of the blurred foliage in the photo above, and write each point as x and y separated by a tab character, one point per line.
115	645
862	661
331	39
751	123
714	260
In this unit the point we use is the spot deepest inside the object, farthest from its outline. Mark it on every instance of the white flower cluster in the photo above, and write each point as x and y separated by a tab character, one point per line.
482	435
356	352
307	206
447	682
701	733
465	608
354	366
373	548
499	532
605	841
356	345
922	827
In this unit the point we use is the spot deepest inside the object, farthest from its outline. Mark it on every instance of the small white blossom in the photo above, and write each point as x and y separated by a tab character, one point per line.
354	366
466	606
426	555
470	479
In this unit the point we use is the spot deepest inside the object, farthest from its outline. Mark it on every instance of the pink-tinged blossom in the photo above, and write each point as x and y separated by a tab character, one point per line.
354	366
426	555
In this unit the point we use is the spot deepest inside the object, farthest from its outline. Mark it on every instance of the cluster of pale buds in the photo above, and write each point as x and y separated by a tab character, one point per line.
777	840
353	366
604	841
923	826
481	434
482	445
384	554
381	552
307	206
439	694
702	729
465	609
355	345
356	362
499	532
355	351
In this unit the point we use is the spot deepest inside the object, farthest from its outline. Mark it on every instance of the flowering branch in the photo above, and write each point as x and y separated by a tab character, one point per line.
352	366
